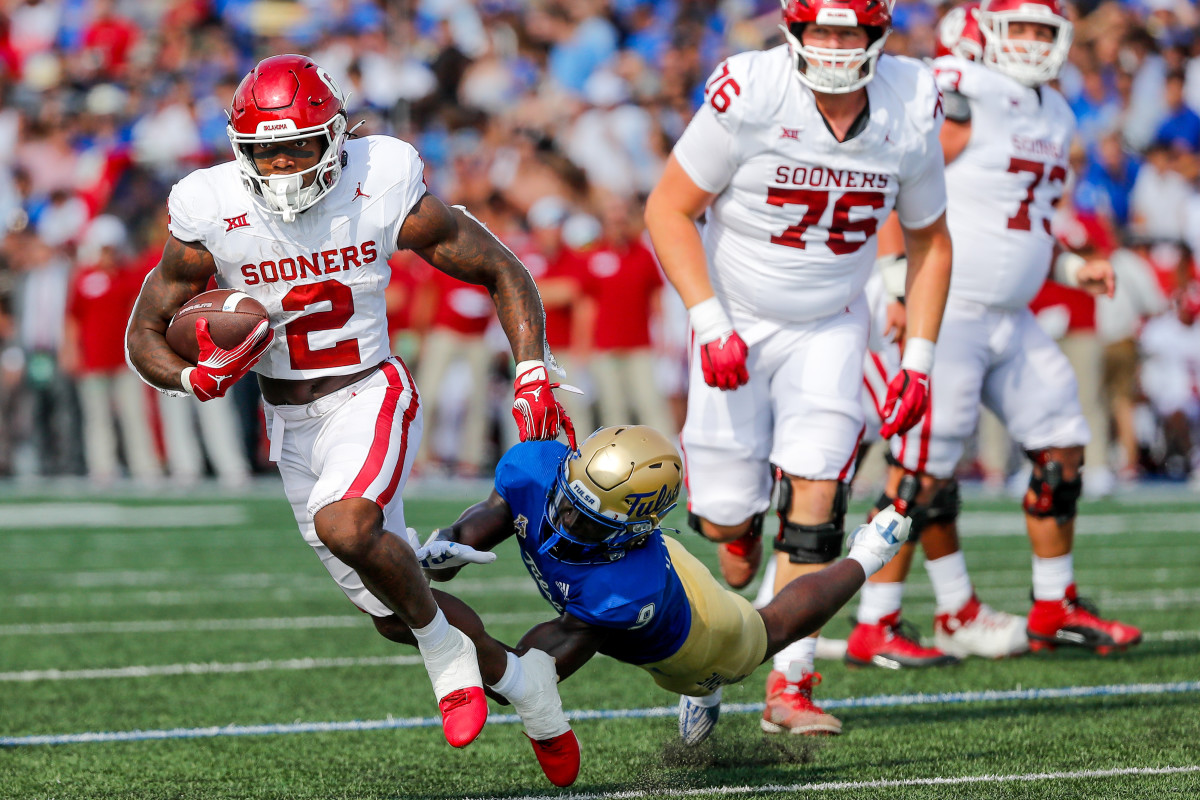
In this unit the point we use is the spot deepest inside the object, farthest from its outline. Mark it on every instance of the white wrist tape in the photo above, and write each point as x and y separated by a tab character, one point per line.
185	378
1066	268
871	562
709	320
525	366
918	355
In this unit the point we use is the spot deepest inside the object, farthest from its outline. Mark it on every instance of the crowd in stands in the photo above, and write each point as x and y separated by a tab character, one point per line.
550	120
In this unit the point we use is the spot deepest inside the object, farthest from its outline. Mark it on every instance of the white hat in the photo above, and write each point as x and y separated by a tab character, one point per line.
104	231
580	230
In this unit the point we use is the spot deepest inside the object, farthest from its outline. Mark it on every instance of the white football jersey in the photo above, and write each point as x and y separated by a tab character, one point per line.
322	276
790	235
1005	184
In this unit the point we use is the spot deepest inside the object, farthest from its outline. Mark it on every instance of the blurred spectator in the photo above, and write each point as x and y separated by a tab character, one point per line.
1159	200
1107	181
41	310
623	285
559	272
102	294
1181	127
1118	321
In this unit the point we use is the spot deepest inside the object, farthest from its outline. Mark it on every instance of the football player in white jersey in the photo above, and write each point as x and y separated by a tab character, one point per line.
1006	141
304	220
796	157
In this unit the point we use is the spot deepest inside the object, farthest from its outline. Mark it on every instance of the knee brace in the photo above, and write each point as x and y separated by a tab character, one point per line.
756	524
811	544
942	507
1050	494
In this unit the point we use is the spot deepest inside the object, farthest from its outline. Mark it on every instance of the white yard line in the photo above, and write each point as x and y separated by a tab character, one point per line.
297	664
875	701
842	786
24	516
227	624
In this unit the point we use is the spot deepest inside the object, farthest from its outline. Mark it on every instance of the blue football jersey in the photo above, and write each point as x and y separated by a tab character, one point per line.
639	595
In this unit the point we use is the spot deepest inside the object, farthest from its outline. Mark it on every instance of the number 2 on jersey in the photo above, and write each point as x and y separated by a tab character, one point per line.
1021	221
815	203
341	308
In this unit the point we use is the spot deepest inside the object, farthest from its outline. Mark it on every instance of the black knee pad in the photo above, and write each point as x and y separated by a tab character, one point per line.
756	524
1052	495
942	507
811	544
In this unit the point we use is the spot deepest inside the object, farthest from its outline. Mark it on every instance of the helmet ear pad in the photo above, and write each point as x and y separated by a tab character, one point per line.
618	487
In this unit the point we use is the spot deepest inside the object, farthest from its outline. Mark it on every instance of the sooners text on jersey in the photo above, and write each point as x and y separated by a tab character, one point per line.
321	277
1004	186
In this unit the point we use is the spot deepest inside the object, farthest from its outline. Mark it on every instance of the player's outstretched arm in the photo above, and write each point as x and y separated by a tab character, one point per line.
928	282
482	526
456	243
571	641
182	273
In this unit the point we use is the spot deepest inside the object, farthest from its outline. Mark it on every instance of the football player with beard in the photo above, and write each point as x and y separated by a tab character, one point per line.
796	158
587	523
1006	142
304	220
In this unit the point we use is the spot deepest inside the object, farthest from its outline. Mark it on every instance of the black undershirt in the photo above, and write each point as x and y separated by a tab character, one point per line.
858	126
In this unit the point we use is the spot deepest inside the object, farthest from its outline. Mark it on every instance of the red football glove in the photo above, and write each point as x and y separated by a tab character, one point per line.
724	362
538	413
218	369
907	401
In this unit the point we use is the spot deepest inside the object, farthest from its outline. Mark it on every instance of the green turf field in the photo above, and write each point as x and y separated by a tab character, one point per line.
208	626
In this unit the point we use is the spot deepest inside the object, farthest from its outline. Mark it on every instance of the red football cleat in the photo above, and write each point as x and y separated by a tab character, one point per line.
891	644
558	757
739	559
463	713
1072	621
790	707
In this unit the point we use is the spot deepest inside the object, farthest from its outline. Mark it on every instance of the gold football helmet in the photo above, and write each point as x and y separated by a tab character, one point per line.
612	493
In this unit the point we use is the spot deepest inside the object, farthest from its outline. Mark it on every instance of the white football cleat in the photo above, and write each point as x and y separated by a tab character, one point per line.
454	672
977	629
696	722
546	724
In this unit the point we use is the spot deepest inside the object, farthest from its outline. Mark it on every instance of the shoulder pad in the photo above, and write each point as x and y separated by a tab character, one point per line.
745	86
913	83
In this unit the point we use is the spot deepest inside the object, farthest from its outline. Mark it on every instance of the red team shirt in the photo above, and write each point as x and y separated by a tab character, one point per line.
622	282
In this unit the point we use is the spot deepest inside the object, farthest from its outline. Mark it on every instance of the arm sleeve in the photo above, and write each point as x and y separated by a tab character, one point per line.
922	197
958	107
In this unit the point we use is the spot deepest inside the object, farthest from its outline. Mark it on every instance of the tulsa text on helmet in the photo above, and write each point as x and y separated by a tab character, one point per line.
825	178
314	265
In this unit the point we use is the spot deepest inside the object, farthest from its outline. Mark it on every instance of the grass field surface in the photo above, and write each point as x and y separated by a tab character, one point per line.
195	648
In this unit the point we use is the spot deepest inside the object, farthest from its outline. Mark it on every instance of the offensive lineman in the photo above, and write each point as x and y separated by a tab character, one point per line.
796	157
587	525
1006	141
304	220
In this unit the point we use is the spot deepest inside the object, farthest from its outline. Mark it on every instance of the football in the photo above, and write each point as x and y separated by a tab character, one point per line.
231	316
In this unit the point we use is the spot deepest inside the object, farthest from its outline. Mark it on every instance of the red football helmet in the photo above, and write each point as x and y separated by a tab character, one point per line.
1030	62
285	98
958	33
830	70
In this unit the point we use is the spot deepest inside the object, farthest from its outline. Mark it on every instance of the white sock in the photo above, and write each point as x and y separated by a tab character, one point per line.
951	584
797	656
766	592
708	701
877	600
512	683
434	635
1052	576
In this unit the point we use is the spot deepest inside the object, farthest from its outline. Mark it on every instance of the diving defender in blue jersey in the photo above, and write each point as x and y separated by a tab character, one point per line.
587	523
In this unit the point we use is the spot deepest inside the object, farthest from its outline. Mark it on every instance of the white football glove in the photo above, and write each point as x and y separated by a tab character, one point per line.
438	553
874	543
